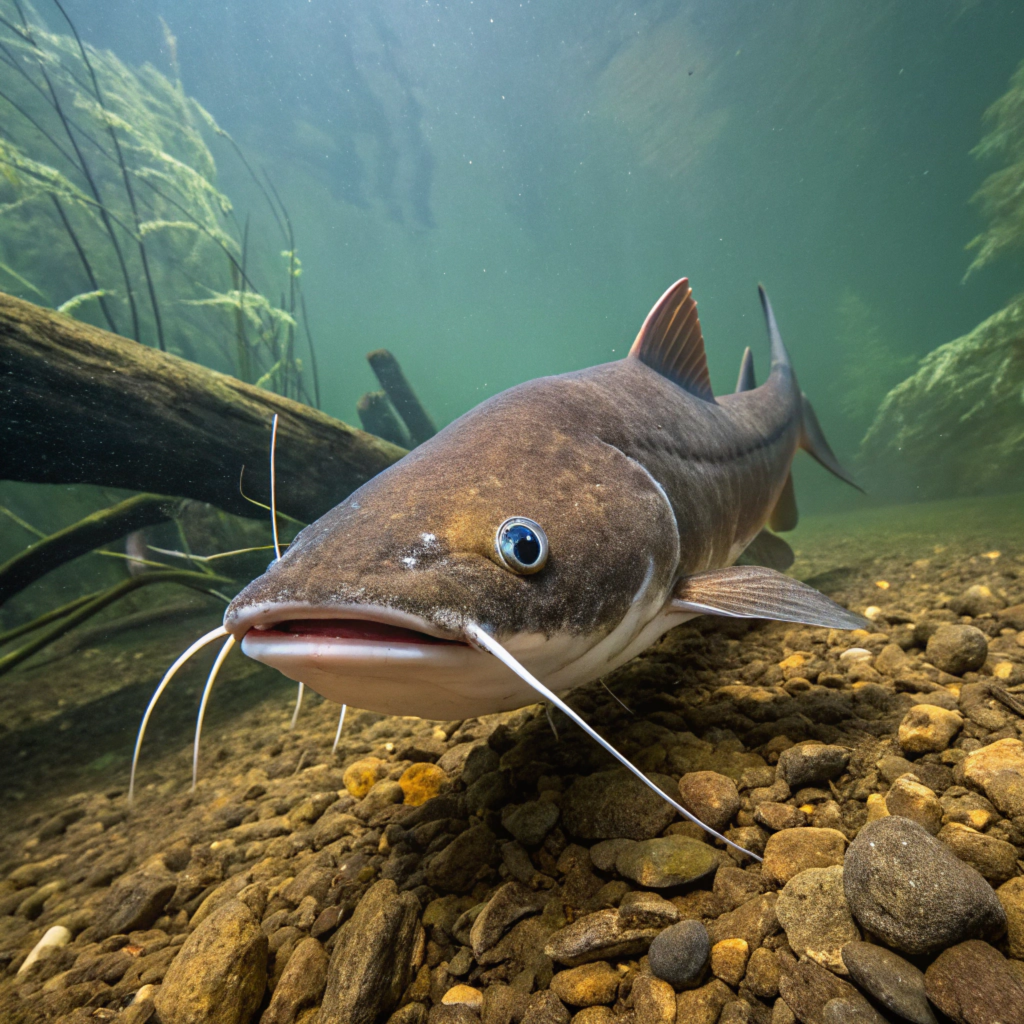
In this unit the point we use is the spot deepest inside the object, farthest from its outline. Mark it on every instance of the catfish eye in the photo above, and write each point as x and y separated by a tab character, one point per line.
522	545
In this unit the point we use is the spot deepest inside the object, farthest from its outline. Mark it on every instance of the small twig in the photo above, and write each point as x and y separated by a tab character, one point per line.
218	555
21	522
1000	693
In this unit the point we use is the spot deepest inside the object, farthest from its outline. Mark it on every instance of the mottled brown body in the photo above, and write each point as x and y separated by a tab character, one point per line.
569	452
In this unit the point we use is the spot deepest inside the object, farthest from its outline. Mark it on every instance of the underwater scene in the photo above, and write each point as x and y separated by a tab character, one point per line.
511	513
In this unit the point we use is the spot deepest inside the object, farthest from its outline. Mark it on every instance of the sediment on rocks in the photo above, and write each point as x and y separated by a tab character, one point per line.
483	872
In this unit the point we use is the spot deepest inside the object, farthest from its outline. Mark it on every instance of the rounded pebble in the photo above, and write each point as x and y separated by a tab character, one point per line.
680	954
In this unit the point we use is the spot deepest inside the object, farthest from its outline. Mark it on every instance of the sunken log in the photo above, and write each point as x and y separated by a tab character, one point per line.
403	398
81	405
378	417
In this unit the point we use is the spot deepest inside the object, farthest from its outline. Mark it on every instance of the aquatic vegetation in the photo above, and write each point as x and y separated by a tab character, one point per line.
955	426
112	212
1001	196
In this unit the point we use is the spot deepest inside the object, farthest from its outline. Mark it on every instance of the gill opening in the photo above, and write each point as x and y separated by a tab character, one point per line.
481	639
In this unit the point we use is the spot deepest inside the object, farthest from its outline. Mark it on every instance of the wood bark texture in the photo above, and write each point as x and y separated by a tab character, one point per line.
81	405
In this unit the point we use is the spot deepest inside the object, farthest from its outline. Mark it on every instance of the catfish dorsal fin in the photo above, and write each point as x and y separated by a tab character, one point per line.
671	343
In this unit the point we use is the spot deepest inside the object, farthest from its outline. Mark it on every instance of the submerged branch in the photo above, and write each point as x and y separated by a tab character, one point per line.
402	396
102	527
87	609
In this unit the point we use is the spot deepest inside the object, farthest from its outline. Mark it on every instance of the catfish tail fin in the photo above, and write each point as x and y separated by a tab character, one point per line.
812	440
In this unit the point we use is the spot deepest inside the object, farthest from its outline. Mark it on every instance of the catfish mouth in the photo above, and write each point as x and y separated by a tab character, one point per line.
295	623
358	630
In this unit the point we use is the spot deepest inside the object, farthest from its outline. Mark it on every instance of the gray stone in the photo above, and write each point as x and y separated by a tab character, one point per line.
887	977
300	986
663	863
134	902
850	1011
807	988
957	649
373	960
972	983
616	805
680	954
456	867
815	917
509	904
220	973
530	822
598	936
911	890
810	763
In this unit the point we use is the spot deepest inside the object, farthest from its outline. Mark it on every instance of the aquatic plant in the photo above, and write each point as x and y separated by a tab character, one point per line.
112	213
954	427
1001	196
869	363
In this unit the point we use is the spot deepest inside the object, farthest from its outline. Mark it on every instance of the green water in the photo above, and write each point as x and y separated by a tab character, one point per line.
498	191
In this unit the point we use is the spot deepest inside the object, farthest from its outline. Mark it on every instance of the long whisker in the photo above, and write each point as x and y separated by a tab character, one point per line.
214	634
477	636
273	488
222	654
337	735
298	704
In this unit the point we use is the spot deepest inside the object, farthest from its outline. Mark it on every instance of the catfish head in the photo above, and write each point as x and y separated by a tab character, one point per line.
518	519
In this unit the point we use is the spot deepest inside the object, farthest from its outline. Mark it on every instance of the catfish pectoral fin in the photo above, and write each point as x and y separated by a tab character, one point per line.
754	592
767	549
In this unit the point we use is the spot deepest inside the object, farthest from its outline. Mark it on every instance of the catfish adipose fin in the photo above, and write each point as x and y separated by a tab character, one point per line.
755	592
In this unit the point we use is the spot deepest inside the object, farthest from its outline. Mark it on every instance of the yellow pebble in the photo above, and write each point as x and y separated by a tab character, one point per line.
422	782
1003	670
876	807
793	661
360	776
808	809
463	995
992	554
882	584
729	960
